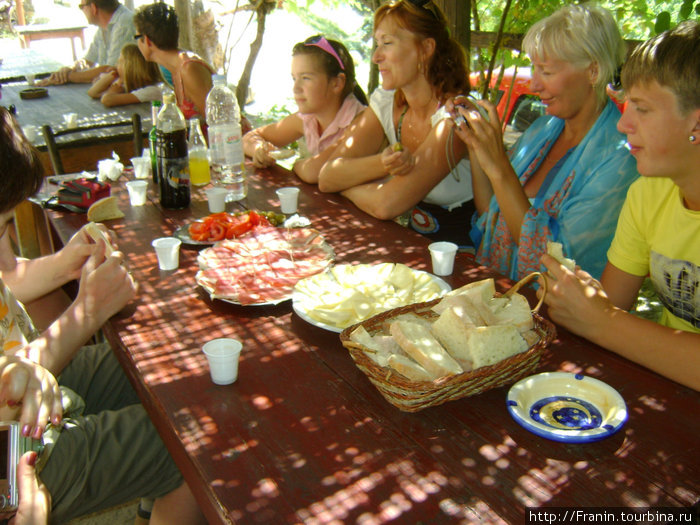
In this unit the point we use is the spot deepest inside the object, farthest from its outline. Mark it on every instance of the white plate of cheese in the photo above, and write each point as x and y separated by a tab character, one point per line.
347	294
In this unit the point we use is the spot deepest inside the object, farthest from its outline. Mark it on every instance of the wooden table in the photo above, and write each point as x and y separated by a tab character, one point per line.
23	62
45	31
303	435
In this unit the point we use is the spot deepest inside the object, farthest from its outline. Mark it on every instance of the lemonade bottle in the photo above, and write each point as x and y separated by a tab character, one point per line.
199	155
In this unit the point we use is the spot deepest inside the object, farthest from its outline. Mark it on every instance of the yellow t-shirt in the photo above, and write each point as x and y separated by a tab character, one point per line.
16	328
658	236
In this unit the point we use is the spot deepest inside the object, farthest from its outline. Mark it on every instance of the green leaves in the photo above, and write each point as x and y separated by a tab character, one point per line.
663	22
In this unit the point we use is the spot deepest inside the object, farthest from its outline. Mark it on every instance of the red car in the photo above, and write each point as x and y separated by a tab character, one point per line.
522	107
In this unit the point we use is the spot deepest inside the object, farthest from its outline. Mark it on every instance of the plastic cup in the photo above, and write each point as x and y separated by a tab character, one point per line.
168	252
71	119
142	167
216	197
30	79
288	199
137	192
223	355
443	256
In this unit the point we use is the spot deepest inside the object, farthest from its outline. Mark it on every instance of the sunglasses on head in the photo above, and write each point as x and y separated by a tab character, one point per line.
321	42
426	5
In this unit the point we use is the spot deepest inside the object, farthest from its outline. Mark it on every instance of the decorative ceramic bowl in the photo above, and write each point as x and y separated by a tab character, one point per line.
572	408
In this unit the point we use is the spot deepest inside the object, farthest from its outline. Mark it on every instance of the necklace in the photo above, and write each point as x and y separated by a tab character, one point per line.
398	128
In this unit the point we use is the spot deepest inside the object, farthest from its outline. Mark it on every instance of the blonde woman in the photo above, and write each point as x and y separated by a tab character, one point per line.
132	82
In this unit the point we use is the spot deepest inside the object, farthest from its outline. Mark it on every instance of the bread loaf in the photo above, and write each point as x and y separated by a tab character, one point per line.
420	344
104	210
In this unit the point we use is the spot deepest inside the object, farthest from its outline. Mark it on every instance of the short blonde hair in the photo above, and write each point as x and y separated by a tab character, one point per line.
581	35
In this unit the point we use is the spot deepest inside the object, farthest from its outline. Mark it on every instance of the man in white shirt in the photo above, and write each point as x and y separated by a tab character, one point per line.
115	29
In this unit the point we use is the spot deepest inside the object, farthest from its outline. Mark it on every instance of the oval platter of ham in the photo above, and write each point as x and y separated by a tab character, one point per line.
263	266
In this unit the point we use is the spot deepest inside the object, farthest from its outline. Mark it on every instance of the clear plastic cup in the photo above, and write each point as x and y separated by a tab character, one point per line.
137	192
70	119
168	252
142	167
443	257
289	198
223	355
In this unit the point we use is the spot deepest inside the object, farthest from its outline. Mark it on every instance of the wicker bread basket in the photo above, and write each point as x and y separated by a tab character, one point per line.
412	396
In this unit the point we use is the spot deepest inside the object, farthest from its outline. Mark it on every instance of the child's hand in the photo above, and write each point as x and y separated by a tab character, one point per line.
34	498
261	155
575	299
397	162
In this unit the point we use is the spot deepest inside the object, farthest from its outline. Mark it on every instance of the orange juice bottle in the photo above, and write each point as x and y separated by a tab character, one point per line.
198	154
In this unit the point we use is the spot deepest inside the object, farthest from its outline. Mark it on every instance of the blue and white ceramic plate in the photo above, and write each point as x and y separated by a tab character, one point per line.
572	408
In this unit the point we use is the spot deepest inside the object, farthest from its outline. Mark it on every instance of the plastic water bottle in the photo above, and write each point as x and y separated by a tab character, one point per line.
173	168
225	145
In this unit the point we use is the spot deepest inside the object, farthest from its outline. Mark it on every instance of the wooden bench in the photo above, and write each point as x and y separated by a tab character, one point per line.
43	31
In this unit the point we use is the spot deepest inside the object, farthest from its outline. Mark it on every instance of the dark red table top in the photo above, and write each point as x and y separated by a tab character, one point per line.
302	435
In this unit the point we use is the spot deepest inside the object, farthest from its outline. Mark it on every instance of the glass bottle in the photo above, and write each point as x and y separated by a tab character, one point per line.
199	155
173	169
155	108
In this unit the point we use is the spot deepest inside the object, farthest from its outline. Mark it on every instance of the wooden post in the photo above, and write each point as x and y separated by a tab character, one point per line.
458	14
19	7
184	16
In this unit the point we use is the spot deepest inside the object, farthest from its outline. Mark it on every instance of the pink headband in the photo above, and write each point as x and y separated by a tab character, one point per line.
321	42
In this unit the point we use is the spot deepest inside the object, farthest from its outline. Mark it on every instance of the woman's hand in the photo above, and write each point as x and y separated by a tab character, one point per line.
399	162
575	299
34	390
482	136
34	497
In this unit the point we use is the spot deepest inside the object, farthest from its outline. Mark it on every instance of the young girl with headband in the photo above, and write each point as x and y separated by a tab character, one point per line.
328	98
133	81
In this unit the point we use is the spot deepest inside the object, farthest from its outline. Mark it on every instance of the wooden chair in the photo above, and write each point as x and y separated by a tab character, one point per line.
53	147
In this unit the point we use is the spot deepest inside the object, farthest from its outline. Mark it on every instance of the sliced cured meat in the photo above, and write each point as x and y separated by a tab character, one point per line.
264	265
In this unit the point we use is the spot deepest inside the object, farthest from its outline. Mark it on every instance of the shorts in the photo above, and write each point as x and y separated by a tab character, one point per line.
440	224
111	454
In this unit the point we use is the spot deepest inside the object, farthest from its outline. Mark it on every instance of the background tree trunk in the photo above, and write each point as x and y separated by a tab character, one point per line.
262	9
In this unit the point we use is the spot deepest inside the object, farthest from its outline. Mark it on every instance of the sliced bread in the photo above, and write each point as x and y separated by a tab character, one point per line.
556	250
488	345
408	368
515	311
104	210
453	333
419	343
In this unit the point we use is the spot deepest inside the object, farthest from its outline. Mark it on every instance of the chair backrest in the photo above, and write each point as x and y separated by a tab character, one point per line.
53	146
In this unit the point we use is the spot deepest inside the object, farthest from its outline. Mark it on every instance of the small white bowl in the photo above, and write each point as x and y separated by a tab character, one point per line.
571	408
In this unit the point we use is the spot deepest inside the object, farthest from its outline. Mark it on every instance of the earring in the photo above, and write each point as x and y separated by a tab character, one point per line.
691	138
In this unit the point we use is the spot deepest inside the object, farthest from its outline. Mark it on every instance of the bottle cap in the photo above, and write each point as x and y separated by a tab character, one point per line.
218	79
168	98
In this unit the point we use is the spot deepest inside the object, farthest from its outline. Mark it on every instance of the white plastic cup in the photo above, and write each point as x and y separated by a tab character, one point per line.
289	198
71	119
216	198
137	192
223	355
29	78
142	167
443	256
168	252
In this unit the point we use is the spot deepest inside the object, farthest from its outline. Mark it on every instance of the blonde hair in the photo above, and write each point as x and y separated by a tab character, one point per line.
137	71
581	35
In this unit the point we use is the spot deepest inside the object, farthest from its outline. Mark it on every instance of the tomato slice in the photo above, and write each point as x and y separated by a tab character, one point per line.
216	232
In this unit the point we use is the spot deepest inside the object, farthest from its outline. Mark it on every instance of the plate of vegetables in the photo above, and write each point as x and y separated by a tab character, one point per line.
219	226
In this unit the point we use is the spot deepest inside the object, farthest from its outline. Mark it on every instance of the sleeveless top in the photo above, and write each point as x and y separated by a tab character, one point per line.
183	102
